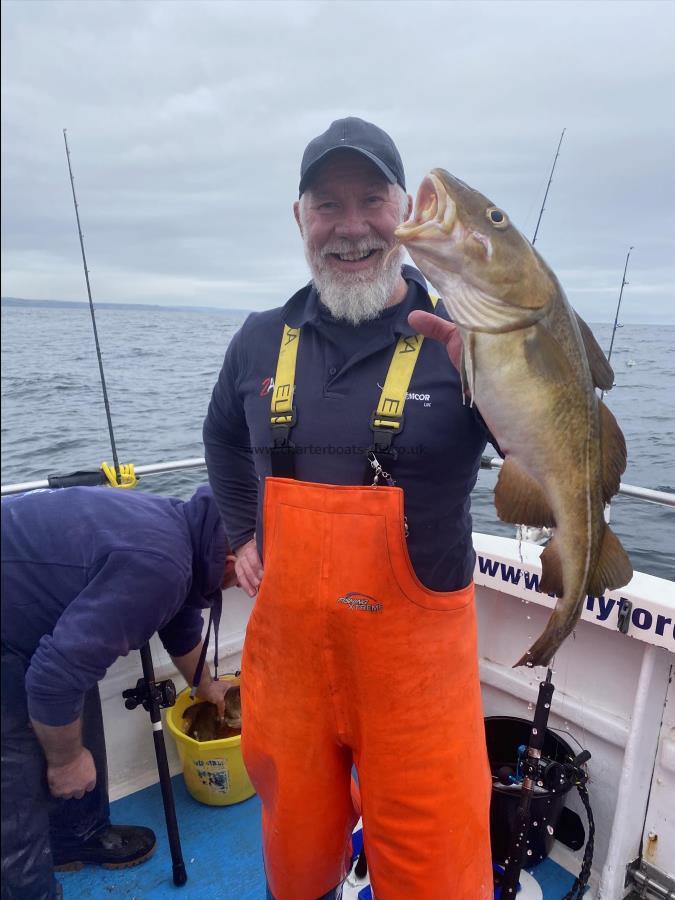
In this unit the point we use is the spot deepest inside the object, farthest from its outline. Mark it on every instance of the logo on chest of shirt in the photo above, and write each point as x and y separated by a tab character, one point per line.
425	399
267	387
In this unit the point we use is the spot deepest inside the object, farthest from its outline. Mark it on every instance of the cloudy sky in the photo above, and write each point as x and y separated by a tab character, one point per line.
187	121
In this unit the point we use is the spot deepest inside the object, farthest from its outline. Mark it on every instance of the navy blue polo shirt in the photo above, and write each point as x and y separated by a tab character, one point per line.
340	371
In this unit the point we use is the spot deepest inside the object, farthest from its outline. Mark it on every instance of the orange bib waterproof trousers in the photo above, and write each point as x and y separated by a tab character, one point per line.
350	660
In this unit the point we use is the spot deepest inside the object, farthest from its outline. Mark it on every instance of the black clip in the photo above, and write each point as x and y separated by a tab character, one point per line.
281	431
623	619
383	435
280	437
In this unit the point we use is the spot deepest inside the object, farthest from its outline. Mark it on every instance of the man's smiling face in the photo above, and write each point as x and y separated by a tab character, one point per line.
347	218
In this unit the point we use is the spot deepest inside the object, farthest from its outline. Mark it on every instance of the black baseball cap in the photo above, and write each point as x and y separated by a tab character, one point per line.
353	134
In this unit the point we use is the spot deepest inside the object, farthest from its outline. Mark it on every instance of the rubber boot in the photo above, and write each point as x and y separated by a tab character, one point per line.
113	847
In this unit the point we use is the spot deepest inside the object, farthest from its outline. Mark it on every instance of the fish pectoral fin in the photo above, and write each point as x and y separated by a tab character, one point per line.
519	498
614	455
614	569
551	581
601	371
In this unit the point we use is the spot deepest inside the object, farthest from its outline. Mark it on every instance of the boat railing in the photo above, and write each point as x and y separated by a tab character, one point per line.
664	498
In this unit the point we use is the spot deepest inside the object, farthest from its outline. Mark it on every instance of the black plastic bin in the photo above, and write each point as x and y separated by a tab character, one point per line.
504	735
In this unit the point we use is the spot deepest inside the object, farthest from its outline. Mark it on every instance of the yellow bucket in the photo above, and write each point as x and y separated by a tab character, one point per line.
214	771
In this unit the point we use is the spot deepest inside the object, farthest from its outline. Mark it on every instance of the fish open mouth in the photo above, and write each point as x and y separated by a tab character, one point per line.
434	210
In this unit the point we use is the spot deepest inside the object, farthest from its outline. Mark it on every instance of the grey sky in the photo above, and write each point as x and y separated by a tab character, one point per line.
187	121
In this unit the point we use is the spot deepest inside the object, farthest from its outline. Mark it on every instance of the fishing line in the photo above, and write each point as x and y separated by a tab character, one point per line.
93	318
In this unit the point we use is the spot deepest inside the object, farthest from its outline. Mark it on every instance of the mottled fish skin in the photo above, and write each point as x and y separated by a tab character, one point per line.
202	722
531	367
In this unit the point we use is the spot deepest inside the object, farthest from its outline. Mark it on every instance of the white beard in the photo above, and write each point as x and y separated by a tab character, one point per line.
356	297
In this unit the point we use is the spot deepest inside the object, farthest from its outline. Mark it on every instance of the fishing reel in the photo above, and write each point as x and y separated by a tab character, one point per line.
162	692
549	774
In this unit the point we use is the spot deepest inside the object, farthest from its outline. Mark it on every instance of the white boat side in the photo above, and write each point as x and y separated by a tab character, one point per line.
610	692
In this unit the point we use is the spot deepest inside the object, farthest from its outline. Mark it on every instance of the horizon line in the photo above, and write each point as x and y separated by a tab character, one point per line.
108	304
113	303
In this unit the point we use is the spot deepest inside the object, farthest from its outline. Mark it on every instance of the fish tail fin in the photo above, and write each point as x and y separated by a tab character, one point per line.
561	622
559	626
544	648
614	569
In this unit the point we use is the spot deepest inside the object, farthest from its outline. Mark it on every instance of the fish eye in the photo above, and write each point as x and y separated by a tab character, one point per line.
498	218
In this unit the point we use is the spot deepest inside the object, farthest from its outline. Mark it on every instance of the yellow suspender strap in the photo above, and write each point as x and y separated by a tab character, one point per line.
388	417
284	381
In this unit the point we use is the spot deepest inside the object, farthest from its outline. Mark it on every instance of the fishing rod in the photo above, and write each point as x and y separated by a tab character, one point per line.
116	464
152	695
535	768
608	506
543	205
543	533
618	307
507	883
521	824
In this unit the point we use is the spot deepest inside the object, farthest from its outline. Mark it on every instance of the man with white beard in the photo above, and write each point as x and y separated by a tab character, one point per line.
354	260
341	453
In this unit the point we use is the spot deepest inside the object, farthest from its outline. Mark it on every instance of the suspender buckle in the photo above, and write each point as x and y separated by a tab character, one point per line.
385	428
282	456
281	425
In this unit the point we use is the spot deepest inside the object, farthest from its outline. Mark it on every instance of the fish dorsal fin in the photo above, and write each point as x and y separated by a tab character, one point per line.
601	371
551	581
613	446
519	498
614	569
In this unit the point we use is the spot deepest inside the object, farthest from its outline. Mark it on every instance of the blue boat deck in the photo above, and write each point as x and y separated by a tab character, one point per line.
222	854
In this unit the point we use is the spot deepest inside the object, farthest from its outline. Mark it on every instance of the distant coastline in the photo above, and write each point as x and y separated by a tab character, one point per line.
76	304
19	302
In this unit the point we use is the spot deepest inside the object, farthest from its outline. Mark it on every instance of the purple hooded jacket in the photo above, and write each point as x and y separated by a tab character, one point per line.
89	574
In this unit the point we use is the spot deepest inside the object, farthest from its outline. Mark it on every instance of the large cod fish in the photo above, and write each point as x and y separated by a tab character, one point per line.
530	364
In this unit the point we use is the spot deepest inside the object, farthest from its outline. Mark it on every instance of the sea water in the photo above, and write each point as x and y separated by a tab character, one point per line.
161	364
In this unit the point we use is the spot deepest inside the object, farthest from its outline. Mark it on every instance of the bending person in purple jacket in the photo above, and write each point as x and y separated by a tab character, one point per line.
89	574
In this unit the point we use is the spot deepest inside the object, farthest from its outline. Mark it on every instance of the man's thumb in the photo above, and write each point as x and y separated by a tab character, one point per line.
431	326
